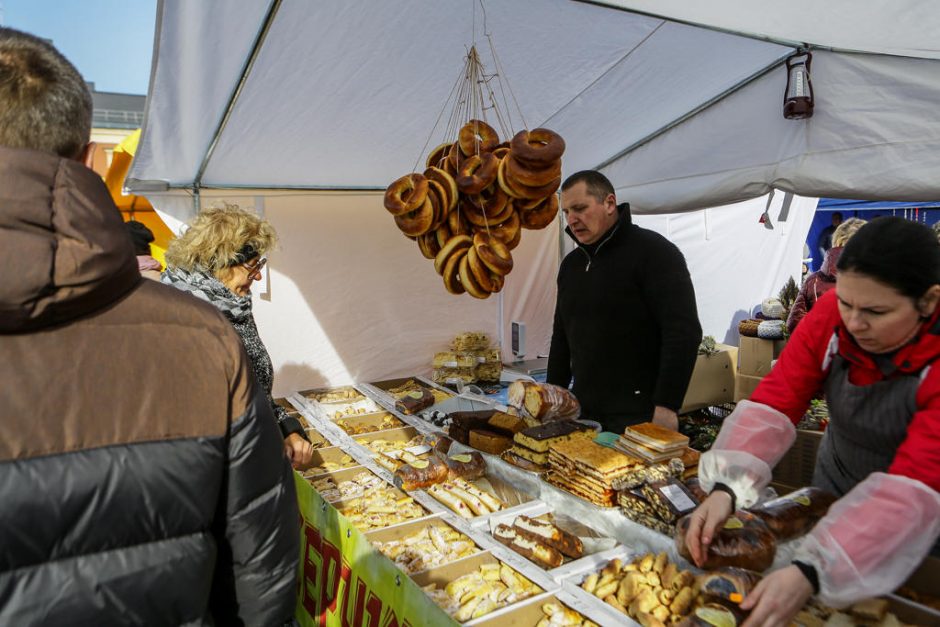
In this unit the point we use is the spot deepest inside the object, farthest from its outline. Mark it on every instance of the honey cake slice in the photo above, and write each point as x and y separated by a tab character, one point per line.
656	437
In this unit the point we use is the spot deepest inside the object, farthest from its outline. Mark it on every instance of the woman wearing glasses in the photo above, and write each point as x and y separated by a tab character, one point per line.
217	260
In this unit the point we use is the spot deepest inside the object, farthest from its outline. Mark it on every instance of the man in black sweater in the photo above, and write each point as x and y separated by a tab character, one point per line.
626	326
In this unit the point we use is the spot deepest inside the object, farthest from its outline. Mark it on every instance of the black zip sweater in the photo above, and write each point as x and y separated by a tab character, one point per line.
626	326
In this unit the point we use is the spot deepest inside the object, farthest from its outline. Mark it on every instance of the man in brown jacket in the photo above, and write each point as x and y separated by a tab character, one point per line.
142	474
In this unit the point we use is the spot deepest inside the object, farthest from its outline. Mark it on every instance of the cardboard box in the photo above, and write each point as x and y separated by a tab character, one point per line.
712	381
744	385
755	355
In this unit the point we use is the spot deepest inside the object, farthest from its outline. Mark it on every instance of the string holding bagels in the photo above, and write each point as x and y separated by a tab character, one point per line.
467	210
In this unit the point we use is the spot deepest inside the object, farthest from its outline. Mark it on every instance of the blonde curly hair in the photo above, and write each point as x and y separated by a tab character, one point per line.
845	231
216	236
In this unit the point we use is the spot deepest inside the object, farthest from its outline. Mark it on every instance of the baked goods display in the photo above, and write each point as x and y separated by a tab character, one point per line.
430	546
381	507
465	499
468	208
539	540
587	469
336	411
490	431
331	490
652	443
650	589
543	402
866	613
379	422
794	514
532	443
744	541
345	394
468	365
478	593
557	615
411	385
654	497
344	461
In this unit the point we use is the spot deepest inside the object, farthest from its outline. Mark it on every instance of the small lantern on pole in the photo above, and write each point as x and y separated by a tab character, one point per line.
798	99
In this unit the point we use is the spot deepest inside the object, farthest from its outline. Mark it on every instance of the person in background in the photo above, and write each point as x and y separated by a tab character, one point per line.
825	237
818	283
217	260
141	237
936	228
143	478
626	326
871	344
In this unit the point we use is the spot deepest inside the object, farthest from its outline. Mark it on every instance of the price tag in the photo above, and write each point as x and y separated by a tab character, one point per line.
679	499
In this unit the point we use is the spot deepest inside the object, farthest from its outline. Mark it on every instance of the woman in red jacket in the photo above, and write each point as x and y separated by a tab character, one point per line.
869	345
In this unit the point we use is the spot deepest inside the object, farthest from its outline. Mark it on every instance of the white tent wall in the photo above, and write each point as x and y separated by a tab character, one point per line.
348	298
844	150
734	260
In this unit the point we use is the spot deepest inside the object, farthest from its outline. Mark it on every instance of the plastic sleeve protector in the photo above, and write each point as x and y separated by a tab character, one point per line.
751	442
872	539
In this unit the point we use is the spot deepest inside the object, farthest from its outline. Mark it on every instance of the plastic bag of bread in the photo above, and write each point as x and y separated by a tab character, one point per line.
543	401
731	584
712	614
744	542
794	514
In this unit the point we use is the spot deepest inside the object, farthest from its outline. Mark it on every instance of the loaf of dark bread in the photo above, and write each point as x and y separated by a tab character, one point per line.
794	514
744	542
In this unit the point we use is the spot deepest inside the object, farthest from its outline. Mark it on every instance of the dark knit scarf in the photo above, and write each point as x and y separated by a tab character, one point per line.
204	286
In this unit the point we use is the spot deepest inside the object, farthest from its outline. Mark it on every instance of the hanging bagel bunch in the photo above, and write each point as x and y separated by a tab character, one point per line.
468	208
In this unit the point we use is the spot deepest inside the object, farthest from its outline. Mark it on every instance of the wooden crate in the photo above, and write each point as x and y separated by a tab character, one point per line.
796	468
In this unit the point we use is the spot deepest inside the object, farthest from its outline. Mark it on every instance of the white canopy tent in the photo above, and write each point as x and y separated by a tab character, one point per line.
679	103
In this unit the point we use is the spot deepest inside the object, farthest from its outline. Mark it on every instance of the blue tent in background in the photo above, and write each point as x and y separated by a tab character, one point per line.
925	212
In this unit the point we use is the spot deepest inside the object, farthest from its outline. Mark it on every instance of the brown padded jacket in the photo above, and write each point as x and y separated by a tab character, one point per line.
142	474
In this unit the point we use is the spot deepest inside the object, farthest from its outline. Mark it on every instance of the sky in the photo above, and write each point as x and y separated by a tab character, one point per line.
109	41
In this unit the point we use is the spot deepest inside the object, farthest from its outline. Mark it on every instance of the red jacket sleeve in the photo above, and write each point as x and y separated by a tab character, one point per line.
798	374
918	457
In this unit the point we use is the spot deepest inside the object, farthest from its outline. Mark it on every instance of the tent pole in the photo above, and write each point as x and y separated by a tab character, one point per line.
499	333
246	70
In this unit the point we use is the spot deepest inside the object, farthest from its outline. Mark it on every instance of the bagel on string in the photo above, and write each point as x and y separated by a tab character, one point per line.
530	176
442	235
451	271
455	159
428	245
437	156
405	194
457	242
480	218
477	173
509	231
542	215
439	199
458	223
447	182
481	274
476	137
467	280
498	282
418	222
538	147
493	253
517	190
501	152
